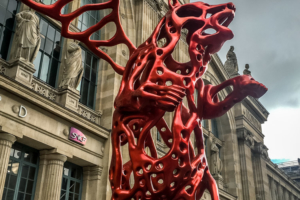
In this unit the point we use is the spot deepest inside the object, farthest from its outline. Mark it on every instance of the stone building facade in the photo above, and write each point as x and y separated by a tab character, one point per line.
43	158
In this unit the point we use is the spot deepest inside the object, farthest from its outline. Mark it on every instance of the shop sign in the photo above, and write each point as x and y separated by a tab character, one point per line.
77	136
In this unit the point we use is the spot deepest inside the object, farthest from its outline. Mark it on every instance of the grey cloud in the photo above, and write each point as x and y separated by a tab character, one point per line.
267	37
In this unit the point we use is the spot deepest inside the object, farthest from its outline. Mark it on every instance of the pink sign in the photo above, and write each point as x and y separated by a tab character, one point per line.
77	136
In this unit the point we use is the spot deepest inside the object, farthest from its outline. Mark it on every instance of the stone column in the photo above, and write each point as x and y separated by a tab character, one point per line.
6	141
286	195
91	183
259	159
280	192
50	175
273	188
245	144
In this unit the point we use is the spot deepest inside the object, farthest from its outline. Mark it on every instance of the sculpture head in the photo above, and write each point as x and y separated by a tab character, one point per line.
154	64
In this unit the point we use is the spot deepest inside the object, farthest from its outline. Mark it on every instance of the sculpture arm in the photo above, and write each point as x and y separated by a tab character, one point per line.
242	87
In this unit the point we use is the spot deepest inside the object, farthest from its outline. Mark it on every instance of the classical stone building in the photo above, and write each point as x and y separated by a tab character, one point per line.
54	133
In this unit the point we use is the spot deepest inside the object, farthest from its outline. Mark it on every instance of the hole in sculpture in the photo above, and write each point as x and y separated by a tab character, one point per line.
172	184
170	24
142	183
169	83
209	31
173	30
159	166
170	140
161	43
160	181
148	193
189	189
174	156
140	171
194	172
208	15
160	71
176	172
178	72
159	52
183	147
148	166
187	174
189	11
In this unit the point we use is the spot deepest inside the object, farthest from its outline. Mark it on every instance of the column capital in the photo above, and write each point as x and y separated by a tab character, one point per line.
51	155
8	137
261	150
92	172
245	136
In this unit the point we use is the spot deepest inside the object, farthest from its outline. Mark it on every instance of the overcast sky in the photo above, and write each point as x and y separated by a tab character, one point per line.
267	36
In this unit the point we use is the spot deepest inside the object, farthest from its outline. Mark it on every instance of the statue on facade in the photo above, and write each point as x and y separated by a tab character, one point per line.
27	38
246	70
153	84
231	64
215	163
73	68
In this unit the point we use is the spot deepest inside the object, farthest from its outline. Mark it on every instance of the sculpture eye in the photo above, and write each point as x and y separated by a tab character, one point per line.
189	11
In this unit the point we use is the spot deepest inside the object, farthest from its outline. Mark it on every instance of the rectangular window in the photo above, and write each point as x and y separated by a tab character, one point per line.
72	182
47	62
88	85
214	128
158	136
49	2
89	18
21	173
8	11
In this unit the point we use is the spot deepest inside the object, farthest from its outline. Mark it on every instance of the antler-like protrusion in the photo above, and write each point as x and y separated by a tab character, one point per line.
54	11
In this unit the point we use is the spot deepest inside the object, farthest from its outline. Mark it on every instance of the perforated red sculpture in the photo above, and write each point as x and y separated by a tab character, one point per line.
154	83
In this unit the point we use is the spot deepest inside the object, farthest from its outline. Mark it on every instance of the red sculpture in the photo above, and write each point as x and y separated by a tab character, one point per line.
154	83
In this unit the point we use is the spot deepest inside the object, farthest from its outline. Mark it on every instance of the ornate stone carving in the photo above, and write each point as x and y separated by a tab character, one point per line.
261	150
73	69
231	64
252	119
246	136
246	70
44	89
215	162
2	69
27	38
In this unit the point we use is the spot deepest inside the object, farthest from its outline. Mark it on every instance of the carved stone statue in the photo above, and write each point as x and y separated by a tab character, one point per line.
28	39
73	69
246	70
231	64
215	161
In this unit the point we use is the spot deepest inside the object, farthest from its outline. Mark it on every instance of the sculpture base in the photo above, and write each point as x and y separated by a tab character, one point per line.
69	98
219	180
21	70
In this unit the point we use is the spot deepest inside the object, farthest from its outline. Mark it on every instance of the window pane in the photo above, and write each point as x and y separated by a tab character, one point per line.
29	187
12	6
36	63
43	27
63	195
34	158
14	168
17	154
20	196
22	185
71	196
77	188
66	171
10	194
27	156
94	76
91	95
64	184
56	51
9	20
72	186
12	182
2	14
84	94
5	41
49	47
25	171
31	173
95	63
27	197
76	197
45	67
53	72
73	173
51	33
3	3
88	59
87	72
4	193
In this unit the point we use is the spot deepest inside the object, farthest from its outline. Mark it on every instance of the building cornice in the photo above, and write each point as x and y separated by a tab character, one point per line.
37	99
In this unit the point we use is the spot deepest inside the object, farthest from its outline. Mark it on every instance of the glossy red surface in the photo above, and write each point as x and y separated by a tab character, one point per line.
154	83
